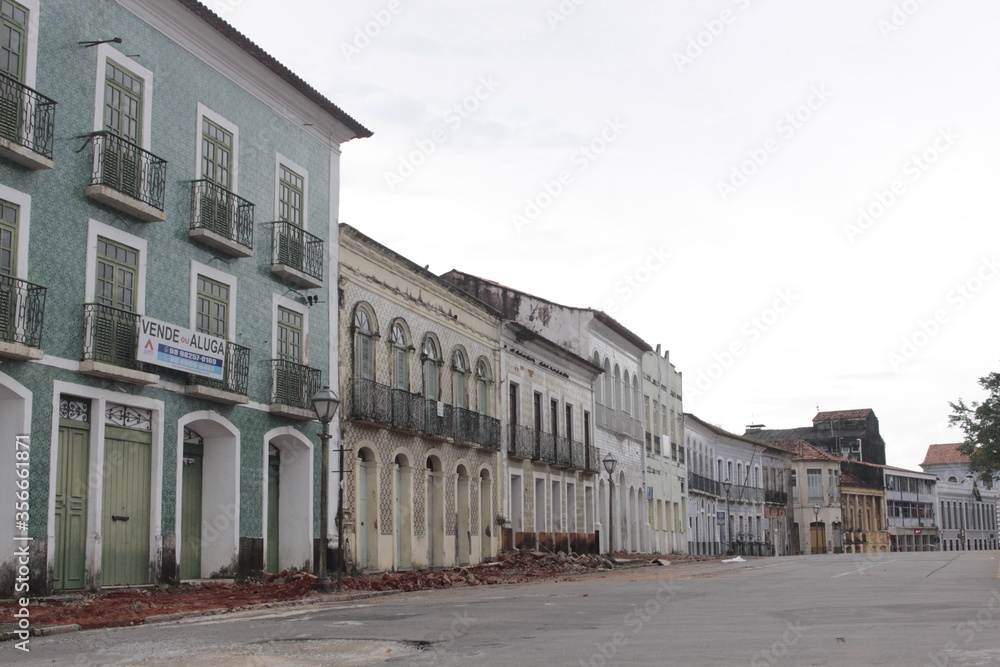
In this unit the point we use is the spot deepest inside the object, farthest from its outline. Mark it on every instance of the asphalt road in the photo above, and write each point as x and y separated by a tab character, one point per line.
931	609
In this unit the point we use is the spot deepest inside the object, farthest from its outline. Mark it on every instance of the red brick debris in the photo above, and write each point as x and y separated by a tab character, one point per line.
134	605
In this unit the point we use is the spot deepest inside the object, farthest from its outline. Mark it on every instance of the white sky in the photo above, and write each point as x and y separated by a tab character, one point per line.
888	81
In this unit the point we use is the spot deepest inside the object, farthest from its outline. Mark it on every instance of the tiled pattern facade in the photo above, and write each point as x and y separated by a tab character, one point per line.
420	318
62	217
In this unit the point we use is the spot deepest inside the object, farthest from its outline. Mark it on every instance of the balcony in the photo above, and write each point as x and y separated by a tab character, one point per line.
221	219
378	404
775	497
22	309
578	455
110	337
520	442
292	388
296	255
127	178
592	464
27	125
703	484
232	388
563	452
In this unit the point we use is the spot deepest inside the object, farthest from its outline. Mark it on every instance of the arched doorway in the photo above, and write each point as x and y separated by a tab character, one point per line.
402	512
486	514
435	512
367	504
463	532
288	506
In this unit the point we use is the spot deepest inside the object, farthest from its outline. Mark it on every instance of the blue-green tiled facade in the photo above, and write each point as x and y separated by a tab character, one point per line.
57	256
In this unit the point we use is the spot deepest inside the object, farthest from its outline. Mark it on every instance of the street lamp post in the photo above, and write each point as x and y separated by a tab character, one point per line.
325	404
609	464
816	509
728	485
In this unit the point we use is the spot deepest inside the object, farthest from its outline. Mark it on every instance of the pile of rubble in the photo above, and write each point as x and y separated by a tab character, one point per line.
510	568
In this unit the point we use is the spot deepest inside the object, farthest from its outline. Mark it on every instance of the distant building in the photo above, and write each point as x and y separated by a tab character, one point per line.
730	485
863	513
847	434
665	472
967	508
817	525
592	334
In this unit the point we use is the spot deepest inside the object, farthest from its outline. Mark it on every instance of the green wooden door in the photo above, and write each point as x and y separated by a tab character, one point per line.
191	511
216	167
126	517
13	37
273	470
121	168
8	270
71	506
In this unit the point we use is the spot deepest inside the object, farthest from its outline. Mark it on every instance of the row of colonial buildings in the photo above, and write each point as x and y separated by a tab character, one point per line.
175	287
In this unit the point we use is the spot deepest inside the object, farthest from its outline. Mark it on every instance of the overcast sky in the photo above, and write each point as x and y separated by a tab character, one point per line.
798	200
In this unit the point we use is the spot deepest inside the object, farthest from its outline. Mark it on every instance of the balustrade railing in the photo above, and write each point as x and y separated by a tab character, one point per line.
218	210
27	118
22	311
297	249
131	170
236	372
293	384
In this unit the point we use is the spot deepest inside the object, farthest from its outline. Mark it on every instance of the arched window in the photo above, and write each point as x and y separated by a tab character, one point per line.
400	357
364	344
609	392
460	375
618	389
431	356
598	386
482	387
626	397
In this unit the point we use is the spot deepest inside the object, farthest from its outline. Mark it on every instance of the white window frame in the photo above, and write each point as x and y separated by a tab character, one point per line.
280	160
104	53
203	113
278	301
31	50
96	229
229	280
23	202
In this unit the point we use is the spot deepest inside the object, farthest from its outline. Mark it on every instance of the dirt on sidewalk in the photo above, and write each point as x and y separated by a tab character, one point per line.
133	605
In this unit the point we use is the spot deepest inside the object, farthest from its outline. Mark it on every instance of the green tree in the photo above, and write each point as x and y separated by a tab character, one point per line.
981	424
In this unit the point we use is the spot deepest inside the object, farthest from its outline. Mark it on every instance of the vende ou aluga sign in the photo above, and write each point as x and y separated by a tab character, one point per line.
182	349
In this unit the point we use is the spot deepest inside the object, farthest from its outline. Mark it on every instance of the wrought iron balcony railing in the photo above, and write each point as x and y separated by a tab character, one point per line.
293	384
236	372
129	169
703	484
27	118
563	452
520	442
592	464
297	249
776	497
110	335
22	310
216	209
370	401
408	411
545	447
375	402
